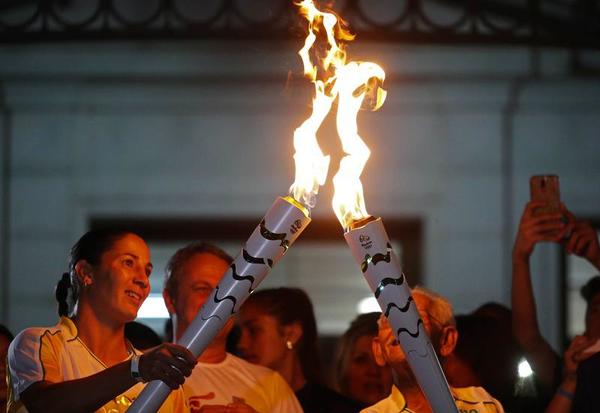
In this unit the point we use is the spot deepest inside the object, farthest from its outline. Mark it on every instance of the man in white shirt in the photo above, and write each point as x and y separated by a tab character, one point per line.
220	381
406	396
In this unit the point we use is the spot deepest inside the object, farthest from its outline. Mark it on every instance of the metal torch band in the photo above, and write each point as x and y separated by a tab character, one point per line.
372	250
280	227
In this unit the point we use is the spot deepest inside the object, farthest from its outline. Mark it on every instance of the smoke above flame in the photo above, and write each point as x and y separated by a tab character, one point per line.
354	84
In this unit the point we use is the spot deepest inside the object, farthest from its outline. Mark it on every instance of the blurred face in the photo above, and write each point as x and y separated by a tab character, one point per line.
3	353
262	340
200	275
592	318
119	284
365	381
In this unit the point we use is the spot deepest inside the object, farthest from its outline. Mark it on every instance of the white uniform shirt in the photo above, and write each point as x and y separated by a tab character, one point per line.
468	400
56	354
235	379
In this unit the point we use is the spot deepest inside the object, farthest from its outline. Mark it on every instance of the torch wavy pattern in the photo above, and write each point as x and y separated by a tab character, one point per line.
256	260
238	277
407	331
377	258
274	236
404	309
269	236
227	297
209	317
388	281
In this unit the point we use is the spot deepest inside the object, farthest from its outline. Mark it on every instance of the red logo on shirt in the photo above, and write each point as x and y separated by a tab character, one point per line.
196	401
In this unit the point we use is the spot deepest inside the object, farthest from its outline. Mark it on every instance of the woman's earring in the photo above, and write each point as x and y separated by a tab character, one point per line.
289	345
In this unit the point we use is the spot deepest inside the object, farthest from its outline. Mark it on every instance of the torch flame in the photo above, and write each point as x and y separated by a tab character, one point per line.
350	83
311	164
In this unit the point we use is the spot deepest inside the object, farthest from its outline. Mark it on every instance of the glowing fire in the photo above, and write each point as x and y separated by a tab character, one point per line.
350	83
354	82
311	164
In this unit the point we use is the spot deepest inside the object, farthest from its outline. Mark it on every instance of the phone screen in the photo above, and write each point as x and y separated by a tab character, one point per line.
545	188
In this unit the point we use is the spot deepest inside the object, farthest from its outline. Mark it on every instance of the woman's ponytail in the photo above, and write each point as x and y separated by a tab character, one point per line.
62	294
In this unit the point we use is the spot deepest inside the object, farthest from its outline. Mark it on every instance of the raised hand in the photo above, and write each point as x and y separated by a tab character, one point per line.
538	228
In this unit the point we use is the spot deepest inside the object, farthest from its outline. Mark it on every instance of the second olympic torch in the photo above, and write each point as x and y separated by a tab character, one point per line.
372	250
358	85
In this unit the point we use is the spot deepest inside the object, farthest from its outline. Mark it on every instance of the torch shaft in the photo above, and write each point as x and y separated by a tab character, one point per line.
280	227
372	250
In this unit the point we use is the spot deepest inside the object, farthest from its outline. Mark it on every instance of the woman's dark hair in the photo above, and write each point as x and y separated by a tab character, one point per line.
90	248
288	306
487	345
4	331
590	289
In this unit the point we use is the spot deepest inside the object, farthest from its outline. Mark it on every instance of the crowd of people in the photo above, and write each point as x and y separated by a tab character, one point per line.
97	359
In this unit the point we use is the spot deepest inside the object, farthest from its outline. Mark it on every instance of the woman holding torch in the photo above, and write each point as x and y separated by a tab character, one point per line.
84	363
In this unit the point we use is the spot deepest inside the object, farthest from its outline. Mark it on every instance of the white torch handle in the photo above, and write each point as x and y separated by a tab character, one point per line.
280	227
372	250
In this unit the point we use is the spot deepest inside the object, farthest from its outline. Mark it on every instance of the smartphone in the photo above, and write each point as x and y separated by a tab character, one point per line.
545	188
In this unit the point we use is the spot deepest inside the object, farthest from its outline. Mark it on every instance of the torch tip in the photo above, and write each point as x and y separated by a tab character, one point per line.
361	222
291	200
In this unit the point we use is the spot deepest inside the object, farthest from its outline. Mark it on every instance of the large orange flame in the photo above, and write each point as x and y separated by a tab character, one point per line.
311	164
353	81
350	83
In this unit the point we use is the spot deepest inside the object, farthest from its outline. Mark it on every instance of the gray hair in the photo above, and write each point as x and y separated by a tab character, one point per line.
438	307
174	269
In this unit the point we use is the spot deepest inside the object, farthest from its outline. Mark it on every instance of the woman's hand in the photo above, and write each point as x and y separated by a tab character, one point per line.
169	363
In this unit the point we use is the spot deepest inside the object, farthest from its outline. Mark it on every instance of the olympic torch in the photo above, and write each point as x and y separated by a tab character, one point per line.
358	84
281	226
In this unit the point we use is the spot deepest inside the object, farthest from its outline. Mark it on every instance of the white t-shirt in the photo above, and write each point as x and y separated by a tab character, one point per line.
468	399
56	354
235	379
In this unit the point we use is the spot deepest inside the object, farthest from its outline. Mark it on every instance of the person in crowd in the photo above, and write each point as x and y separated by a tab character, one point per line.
406	396
587	397
356	374
5	338
84	363
557	379
575	382
141	336
278	330
221	382
485	331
